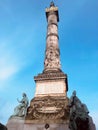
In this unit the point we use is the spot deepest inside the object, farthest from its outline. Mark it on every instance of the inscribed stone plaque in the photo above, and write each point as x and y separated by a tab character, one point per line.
48	88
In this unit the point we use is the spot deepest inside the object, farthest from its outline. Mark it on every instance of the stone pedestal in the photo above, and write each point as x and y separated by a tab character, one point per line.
15	123
52	83
48	110
42	127
18	123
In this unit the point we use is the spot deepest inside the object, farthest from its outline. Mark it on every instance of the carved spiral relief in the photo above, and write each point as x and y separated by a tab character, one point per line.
52	59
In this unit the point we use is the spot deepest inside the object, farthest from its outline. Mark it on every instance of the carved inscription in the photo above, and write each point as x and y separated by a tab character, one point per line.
50	87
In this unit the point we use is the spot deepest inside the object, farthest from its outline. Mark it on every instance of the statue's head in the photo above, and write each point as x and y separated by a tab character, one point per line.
52	4
24	94
74	93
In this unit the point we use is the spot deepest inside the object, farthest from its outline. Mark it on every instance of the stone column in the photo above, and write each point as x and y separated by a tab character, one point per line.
52	57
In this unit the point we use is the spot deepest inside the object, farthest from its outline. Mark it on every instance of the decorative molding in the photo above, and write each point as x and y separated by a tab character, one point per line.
50	75
48	108
52	34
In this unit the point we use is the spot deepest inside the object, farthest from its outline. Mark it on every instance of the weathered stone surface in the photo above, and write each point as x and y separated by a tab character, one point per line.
50	75
52	57
15	123
42	127
51	84
48	109
51	88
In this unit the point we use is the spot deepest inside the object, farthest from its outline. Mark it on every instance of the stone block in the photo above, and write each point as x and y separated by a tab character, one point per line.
15	123
42	127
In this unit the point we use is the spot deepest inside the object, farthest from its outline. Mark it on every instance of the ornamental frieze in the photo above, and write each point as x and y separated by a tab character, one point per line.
48	108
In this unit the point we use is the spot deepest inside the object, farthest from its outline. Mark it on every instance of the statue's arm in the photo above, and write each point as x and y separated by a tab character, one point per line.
19	100
26	101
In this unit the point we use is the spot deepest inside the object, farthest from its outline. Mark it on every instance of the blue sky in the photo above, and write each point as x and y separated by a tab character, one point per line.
22	49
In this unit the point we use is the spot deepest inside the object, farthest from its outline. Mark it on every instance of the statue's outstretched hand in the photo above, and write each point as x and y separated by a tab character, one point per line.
18	100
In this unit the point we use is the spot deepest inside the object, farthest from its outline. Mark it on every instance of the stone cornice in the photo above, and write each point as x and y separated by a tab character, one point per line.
53	24
52	34
50	76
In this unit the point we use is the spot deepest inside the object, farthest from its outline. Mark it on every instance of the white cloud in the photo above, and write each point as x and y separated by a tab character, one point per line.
7	71
7	62
12	56
11	62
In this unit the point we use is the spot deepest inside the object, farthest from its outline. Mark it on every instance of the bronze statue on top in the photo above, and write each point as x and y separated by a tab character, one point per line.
52	4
